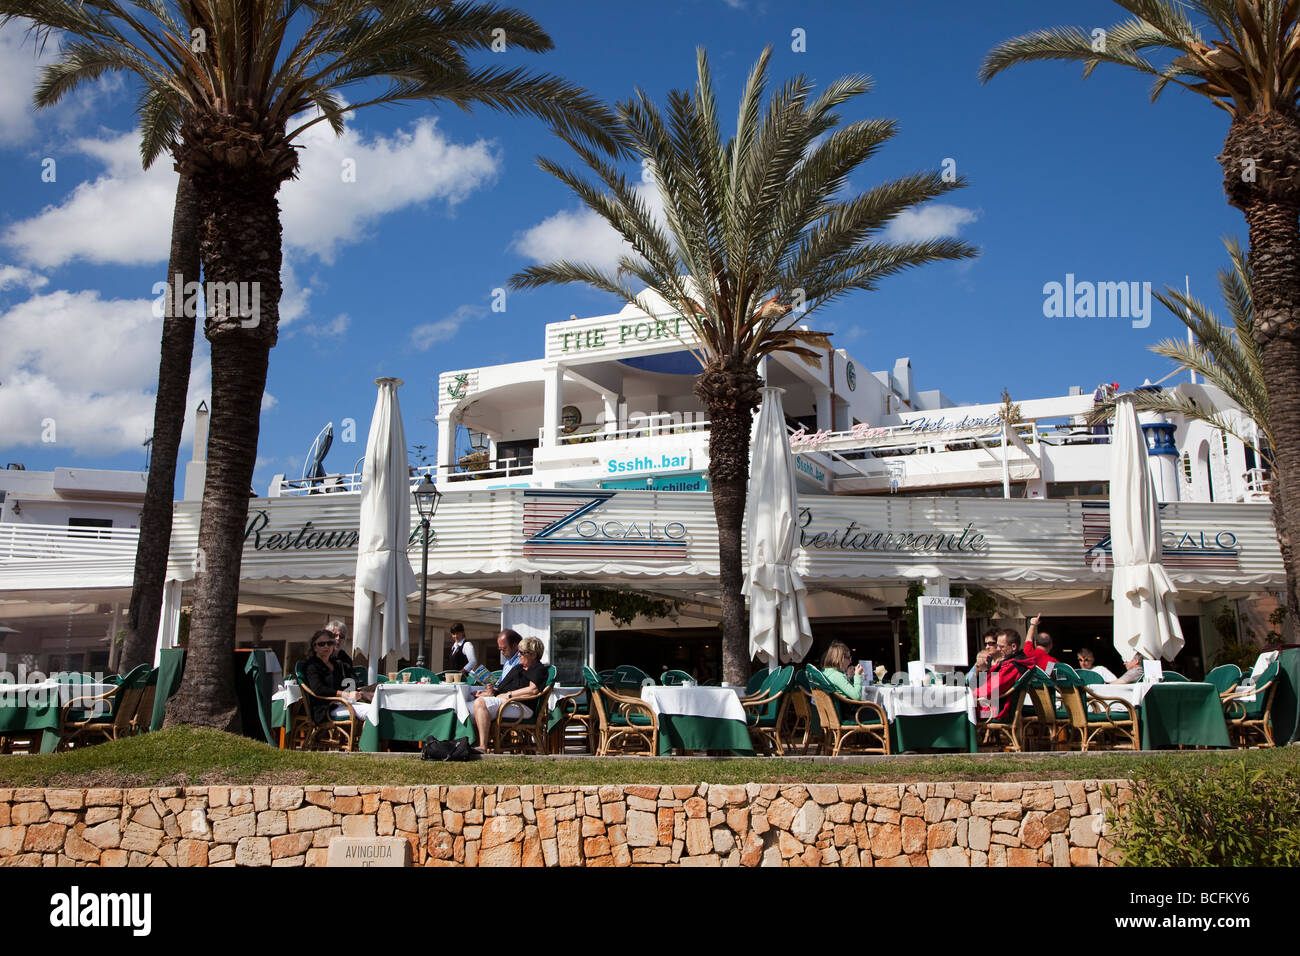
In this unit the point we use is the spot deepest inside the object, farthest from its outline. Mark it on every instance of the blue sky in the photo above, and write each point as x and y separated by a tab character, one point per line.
393	274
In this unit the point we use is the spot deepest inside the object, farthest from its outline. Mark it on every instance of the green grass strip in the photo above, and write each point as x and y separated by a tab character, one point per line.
188	756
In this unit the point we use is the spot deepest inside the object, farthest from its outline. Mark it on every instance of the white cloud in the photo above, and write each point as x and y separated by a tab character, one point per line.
931	221
321	210
19	68
122	217
332	329
88	366
18	276
582	235
424	337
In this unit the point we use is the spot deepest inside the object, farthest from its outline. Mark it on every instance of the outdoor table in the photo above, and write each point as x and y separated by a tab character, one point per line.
699	718
401	711
926	716
33	709
1173	714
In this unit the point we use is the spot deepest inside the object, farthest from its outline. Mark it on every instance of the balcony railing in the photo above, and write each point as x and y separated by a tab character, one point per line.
45	542
639	426
282	487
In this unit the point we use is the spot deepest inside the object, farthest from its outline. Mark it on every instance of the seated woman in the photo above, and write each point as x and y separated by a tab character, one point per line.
836	664
326	675
524	679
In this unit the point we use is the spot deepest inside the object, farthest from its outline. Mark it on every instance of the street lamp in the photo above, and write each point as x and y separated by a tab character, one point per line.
477	438
427	497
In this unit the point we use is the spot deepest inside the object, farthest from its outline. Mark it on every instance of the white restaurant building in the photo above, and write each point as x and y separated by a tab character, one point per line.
588	474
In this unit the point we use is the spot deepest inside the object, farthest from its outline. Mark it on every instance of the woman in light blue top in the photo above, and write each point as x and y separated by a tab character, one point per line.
836	664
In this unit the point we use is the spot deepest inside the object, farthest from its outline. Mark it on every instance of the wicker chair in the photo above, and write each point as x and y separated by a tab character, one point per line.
333	733
1225	679
1090	715
798	718
622	721
512	733
1044	726
1248	719
80	727
844	719
764	710
1007	733
578	709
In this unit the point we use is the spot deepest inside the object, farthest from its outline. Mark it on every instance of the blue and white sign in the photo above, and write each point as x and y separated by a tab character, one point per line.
652	463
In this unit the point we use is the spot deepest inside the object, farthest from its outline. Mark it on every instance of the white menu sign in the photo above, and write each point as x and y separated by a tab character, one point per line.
529	615
942	622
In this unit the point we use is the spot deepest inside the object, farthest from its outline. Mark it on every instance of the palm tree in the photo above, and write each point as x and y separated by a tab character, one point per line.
1247	63
1227	358
229	87
175	356
757	237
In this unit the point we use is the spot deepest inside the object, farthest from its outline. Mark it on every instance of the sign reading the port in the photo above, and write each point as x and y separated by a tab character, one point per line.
640	464
635	333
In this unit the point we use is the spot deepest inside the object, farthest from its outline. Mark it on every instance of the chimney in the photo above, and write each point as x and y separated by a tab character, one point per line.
196	469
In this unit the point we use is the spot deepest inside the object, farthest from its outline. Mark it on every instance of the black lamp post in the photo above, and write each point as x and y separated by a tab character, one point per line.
427	497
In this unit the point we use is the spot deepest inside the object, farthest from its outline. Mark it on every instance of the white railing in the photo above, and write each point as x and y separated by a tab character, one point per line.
639	426
282	487
44	542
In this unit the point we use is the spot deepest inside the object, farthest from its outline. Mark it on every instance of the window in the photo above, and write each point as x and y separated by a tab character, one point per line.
88	527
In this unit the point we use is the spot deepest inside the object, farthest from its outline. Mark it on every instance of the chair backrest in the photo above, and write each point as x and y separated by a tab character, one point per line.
1091	677
1040	688
675	678
824	696
629	676
136	677
418	674
756	680
1173	677
776	684
1224	677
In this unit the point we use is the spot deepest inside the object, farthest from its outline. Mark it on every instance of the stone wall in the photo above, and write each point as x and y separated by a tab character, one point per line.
915	824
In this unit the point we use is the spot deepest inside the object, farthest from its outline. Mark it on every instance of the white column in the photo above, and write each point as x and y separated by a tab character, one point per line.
446	441
552	402
825	416
169	621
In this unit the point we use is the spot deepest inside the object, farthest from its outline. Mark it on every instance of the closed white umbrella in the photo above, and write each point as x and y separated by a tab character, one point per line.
1146	621
775	590
384	575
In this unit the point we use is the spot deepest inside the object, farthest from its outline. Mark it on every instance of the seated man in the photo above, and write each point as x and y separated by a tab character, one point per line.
993	695
1134	672
1038	645
1088	662
524	680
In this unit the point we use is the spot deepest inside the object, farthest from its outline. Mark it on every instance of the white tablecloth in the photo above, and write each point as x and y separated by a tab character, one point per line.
718	702
907	700
1129	693
51	693
423	697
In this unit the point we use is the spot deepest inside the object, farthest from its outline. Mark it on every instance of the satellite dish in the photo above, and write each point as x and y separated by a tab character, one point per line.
314	467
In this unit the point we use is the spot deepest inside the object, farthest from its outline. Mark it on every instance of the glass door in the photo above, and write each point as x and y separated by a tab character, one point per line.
571	633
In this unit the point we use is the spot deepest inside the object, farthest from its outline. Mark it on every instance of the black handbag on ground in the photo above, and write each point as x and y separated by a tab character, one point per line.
458	749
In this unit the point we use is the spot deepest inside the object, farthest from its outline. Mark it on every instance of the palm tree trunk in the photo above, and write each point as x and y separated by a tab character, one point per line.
731	395
168	422
240	242
1267	146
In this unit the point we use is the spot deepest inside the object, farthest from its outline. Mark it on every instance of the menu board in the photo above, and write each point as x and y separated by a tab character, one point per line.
942	622
529	615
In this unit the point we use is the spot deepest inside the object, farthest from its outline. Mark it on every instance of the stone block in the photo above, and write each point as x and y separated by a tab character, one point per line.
949	856
44	837
141	839
253	851
234	829
290	844
309	818
913	834
1085	831
106	835
941	835
272	823
25	814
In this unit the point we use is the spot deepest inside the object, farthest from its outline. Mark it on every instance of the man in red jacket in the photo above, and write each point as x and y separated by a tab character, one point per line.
993	695
1038	644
